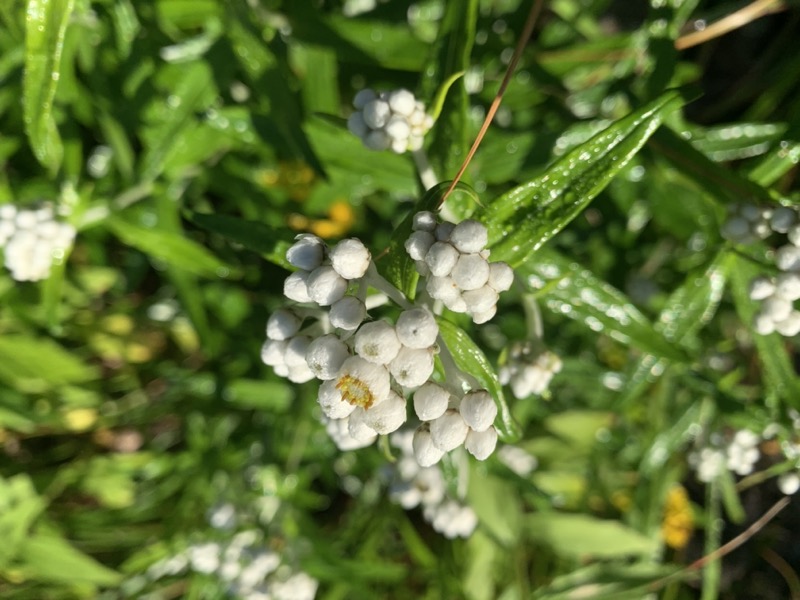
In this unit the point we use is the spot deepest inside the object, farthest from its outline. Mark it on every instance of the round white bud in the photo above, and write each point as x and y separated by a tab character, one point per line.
789	483
356	125
422	268
761	229
350	258
751	212
331	401
415	142
794	235
482	317
412	367
430	401
418	244
306	253
357	426
790	326
443	288
299	373
777	308
787	286
441	258
478	410
782	219
501	276
763	324
296	349
377	139
282	324
376	113
26	219
402	102
443	231
417	328
273	352
471	272
347	313
787	258
455	303
469	236
325	285
761	287
398	129
387	416
449	431
326	355
480	300
8	212
398	146
295	287
736	229
481	444
377	342
364	96
424	220
425	452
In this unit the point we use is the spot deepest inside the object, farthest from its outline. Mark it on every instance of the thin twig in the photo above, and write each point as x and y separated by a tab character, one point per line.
735	20
512	65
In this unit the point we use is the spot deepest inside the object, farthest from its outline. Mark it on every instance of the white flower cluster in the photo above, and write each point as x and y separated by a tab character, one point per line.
527	370
747	223
368	368
413	485
244	565
32	239
454	259
738	455
385	120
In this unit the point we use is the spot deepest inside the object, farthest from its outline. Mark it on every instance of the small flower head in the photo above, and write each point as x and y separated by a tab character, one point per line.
377	342
417	328
478	410
350	258
306	253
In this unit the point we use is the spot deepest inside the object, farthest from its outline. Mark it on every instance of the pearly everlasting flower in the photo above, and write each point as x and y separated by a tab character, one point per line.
295	287
452	519
412	366
528	372
425	451
416	328
449	431
282	324
326	355
350	258
789	483
481	444
339	432
325	285
307	252
359	384
387	416
708	464
347	313
742	453
518	460
32	239
478	410
430	401
377	342
389	120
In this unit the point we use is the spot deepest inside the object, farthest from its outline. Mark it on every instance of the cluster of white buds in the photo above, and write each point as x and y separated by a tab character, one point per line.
385	120
454	259
32	238
747	223
413	485
739	455
368	368
244	565
528	371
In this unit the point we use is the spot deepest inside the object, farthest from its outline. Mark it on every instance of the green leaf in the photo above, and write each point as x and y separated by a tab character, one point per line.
51	558
470	359
20	505
735	142
523	219
579	427
271	396
45	26
609	582
169	247
270	243
583	537
578	294
37	364
497	506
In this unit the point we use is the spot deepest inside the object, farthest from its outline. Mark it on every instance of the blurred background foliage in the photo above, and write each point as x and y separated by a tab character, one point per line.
188	141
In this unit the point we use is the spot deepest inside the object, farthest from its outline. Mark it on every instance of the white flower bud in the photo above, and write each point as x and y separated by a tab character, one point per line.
273	351
398	129
456	304
282	324
761	287
777	308
794	235
299	373
377	139
501	276
787	258
402	102
441	258
478	410
481	444
339	431
787	286
358	428
424	221
331	401
388	416
398	146
790	326
448	431
737	229
422	268
416	328
295	287
326	355
26	219
376	113
443	231
296	351
363	97
471	272
763	324
356	125
482	317
425	452
350	258
443	288
418	244
306	253
377	342
325	285
782	219
415	142
761	230
412	367
480	300
751	212
469	237
347	313
8	212
430	401
789	483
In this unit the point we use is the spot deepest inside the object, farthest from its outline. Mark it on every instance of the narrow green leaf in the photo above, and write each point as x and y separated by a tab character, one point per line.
776	164
735	142
578	294
270	243
39	363
670	441
523	219
51	558
471	359
20	505
169	247
46	24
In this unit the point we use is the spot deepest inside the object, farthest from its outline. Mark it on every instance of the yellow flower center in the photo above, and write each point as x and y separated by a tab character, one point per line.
355	391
